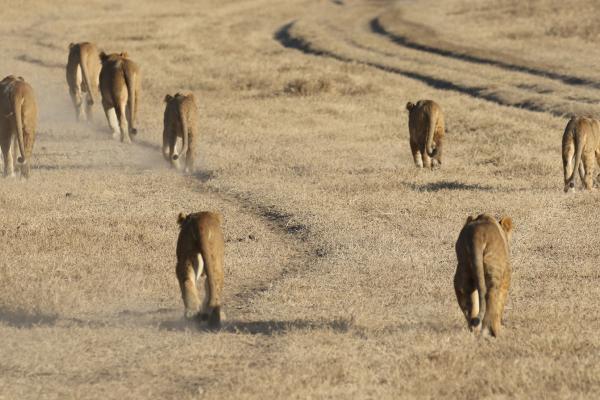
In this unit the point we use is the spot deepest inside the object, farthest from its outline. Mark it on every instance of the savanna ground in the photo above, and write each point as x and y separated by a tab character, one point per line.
339	253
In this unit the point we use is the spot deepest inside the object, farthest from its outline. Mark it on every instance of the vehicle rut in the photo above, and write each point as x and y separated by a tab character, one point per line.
284	36
378	28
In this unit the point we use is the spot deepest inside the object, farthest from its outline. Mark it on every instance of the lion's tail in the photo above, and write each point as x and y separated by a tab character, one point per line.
215	282
477	264
431	152
579	138
184	134
17	104
86	77
131	82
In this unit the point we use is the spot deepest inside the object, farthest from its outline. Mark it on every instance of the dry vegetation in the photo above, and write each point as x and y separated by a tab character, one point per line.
339	253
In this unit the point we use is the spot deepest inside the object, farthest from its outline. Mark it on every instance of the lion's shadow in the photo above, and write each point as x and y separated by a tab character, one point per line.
450	185
268	327
21	319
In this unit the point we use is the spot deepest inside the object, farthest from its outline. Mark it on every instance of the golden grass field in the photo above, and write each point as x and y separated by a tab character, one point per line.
339	252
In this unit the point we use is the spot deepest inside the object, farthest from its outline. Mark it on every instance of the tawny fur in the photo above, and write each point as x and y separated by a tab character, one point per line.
83	77
120	82
18	122
180	120
427	131
580	151
483	273
201	235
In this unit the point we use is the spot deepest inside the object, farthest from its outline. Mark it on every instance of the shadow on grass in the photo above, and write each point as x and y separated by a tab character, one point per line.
204	176
23	319
449	185
78	167
269	327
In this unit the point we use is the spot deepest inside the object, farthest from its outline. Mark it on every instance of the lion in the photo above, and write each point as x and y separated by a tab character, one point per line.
18	122
427	130
581	144
483	273
120	89
200	249
180	120
83	75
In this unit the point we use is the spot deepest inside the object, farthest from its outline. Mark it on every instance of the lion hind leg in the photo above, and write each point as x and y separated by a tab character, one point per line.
461	297
461	289
568	159
588	163
204	309
173	151
165	148
123	125
474	304
504	291
426	160
89	107
113	122
598	163
7	152
198	264
189	291
416	154
76	94
215	286
190	154
493	315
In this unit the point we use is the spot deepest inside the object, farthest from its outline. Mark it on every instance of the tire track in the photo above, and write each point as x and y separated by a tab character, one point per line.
293	235
282	223
378	28
284	36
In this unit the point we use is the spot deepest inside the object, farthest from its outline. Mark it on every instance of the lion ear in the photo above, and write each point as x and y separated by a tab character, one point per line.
180	218
168	98
71	45
469	220
507	224
103	56
409	106
124	54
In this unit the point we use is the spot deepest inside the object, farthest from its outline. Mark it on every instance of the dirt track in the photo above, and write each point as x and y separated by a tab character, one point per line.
339	253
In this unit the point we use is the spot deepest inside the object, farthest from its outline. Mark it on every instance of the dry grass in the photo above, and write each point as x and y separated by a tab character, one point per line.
339	253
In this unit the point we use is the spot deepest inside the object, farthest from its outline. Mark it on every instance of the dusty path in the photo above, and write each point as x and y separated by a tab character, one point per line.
339	253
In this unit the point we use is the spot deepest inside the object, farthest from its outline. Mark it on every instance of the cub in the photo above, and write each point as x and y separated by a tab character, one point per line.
200	249
83	75
427	130
483	273
120	89
180	120
18	122
580	151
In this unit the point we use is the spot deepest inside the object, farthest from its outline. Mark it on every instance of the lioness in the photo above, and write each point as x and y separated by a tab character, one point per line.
83	74
426	128
180	120
483	273
18	121
200	249
120	87
581	143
